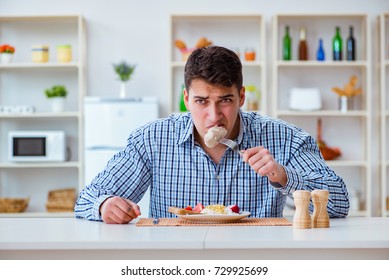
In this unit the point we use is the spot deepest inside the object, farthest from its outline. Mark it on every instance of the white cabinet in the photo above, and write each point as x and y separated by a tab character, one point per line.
236	32
23	82
384	110
351	130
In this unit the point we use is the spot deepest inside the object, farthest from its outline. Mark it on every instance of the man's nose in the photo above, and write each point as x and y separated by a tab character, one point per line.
214	112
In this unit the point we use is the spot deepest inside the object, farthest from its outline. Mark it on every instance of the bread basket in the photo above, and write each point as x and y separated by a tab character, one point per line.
13	205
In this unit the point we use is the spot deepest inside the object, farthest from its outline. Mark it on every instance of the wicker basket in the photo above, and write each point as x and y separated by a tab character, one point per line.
13	205
61	200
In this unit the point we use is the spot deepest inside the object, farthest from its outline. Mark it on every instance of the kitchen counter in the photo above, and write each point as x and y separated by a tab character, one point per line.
70	238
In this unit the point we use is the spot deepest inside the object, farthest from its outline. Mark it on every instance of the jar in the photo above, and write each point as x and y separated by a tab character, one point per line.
249	54
64	53
40	53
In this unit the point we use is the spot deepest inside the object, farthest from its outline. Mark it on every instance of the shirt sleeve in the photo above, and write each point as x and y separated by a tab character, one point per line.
307	170
126	175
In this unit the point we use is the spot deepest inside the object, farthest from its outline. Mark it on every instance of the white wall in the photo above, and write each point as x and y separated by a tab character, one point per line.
138	31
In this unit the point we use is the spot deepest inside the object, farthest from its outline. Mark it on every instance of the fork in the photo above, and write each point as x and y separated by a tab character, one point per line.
234	146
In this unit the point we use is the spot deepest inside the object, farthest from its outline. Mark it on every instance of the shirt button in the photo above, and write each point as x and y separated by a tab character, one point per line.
218	177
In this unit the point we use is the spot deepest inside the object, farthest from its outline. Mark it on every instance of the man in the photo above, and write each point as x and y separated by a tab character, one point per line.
169	155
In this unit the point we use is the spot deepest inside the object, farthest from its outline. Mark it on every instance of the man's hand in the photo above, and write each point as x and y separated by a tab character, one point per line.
117	210
263	163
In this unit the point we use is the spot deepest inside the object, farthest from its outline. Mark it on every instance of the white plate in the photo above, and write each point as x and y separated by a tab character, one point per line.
214	218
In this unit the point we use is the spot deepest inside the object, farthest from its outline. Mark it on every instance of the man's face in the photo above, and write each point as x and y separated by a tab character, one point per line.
214	105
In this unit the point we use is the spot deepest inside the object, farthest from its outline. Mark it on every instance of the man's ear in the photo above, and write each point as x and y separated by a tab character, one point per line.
186	98
242	96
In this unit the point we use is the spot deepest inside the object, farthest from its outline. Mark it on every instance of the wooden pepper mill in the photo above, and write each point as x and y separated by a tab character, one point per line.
320	218
301	218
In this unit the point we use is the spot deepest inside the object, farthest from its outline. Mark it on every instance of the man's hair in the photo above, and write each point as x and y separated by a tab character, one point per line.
216	66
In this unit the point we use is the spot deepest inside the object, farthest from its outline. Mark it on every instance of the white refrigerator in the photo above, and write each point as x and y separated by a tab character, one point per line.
108	123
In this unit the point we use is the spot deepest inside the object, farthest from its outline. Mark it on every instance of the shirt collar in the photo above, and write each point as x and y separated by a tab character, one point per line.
187	130
242	128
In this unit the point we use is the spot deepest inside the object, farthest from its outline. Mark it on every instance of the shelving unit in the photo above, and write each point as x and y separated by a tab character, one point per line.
23	82
354	165
222	30
384	110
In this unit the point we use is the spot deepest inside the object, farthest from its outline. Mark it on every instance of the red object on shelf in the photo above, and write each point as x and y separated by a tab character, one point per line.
328	153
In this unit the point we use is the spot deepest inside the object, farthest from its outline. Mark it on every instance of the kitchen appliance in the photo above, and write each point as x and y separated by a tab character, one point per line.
108	123
36	146
305	99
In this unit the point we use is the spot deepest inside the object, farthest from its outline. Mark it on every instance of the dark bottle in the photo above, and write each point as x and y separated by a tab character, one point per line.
351	45
287	45
337	45
303	48
320	54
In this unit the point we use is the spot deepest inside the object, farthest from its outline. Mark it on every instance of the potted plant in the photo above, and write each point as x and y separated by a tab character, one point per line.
124	71
6	53
57	96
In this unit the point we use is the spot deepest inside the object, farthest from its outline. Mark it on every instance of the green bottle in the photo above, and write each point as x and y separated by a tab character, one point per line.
182	102
337	45
287	45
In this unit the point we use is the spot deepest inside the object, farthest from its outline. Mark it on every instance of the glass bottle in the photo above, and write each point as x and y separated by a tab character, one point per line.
303	48
320	54
287	45
351	45
337	45
182	102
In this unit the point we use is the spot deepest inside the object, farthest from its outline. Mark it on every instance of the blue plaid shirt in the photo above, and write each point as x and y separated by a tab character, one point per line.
164	157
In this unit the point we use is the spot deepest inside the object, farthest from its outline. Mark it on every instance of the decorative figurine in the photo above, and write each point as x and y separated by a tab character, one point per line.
347	92
185	51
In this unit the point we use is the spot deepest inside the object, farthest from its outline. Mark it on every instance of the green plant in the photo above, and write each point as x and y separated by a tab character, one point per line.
124	70
56	91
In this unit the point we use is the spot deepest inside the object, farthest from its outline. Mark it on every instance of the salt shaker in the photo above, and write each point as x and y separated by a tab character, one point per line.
320	218
301	218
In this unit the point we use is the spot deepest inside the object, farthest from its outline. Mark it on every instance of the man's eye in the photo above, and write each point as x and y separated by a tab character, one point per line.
226	100
200	101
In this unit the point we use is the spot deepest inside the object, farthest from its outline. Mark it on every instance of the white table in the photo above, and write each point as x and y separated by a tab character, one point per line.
70	238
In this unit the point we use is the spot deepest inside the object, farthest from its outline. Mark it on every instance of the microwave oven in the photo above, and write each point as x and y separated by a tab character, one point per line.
36	146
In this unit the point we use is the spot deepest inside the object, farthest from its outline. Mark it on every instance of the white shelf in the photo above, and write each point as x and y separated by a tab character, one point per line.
179	64
70	164
38	215
321	113
347	163
383	29
223	30
24	86
42	115
354	168
27	65
313	63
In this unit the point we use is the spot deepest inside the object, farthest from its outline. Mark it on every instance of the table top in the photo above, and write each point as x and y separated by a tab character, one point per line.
72	233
